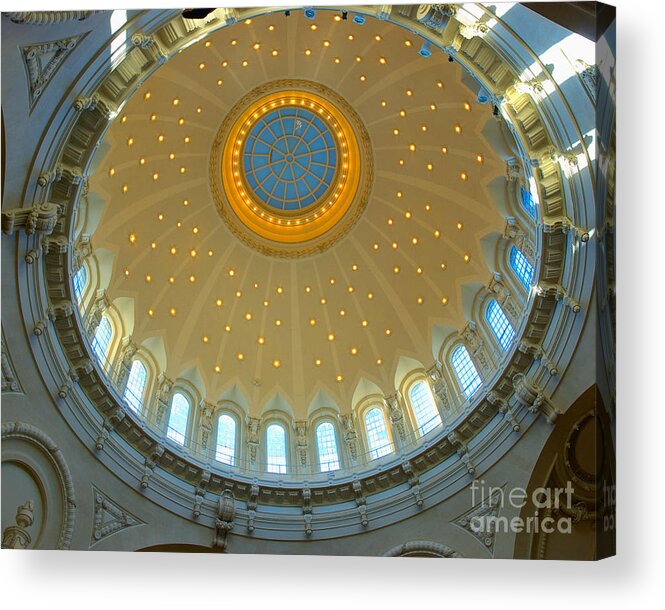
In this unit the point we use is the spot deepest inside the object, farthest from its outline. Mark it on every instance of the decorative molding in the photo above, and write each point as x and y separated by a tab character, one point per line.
421	548
109	518
42	61
226	510
17	536
486	512
25	432
48	17
10	381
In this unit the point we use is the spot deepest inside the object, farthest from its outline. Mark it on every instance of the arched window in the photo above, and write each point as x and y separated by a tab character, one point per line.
138	375
466	372
276	448
226	440
527	202
499	324
326	445
102	340
80	280
178	418
377	433
423	407
521	266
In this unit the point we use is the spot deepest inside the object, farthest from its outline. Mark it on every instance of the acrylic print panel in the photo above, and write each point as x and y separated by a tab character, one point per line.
310	281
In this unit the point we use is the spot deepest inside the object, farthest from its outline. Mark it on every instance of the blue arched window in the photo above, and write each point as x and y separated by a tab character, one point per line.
424	408
499	324
80	280
178	418
102	340
326	445
276	448
226	440
377	434
521	266
527	202
138	376
466	372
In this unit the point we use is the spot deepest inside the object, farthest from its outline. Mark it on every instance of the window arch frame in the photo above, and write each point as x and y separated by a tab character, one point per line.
465	395
418	428
316	424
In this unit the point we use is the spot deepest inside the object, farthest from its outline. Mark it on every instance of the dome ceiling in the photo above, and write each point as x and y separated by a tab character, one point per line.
303	331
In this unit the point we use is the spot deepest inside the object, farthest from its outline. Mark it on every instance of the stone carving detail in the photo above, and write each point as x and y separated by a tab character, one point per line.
200	492
532	397
39	219
350	436
307	510
462	449
253	424
504	408
42	62
301	442
109	424
30	434
109	518
149	44
99	306
563	224
384	11
590	77
206	423
414	482
226	512
164	389
48	17
10	382
484	513
435	16
533	87
477	348
439	388
421	548
396	415
473	30
560	294
128	352
156	452
17	536
539	355
95	102
252	503
82	249
361	503
513	170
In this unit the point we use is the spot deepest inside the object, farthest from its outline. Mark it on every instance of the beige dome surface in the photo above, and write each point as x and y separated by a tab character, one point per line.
310	332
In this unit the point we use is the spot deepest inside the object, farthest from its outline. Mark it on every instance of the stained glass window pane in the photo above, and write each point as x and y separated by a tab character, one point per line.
226	440
424	408
465	370
178	418
326	444
276	448
499	324
135	387
377	433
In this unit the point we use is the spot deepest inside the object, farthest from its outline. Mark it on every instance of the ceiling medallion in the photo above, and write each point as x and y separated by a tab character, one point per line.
291	168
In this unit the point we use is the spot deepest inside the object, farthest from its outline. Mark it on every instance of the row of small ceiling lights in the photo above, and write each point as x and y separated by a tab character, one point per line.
193	252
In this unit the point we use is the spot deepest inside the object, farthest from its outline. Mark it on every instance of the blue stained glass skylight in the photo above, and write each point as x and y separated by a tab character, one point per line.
290	159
